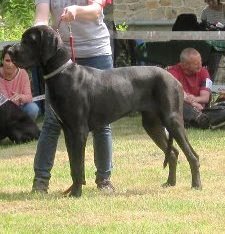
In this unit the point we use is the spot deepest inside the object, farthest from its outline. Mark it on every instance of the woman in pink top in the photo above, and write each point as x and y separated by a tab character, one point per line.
15	85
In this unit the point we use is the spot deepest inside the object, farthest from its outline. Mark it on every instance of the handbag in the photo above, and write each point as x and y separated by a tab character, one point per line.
194	118
216	115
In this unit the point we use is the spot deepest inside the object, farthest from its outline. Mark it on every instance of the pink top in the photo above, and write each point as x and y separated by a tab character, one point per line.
20	84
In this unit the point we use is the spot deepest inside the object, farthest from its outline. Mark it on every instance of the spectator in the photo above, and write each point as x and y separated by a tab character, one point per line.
15	85
196	84
213	13
92	48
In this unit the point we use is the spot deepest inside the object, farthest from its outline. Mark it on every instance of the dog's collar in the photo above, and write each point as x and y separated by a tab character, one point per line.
58	70
3	99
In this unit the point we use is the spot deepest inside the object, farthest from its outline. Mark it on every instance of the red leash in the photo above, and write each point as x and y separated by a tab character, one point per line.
71	43
71	40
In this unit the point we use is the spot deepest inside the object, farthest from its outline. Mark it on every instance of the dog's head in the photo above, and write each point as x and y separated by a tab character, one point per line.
37	46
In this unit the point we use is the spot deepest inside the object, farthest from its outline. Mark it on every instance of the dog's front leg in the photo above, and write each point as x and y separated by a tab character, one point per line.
75	142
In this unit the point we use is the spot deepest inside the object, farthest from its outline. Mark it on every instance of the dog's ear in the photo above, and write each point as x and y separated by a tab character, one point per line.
44	41
50	43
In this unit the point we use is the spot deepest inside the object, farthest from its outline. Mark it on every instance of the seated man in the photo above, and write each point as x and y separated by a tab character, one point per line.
196	84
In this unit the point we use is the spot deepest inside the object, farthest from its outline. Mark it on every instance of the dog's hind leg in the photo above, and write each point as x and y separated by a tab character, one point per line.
153	126
174	125
75	139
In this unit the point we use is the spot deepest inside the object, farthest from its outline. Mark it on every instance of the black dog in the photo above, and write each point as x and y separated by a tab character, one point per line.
16	125
85	98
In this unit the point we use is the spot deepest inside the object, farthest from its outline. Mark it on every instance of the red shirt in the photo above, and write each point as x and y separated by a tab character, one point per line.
191	84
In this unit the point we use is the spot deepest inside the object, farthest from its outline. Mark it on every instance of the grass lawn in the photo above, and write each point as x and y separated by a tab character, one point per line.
139	205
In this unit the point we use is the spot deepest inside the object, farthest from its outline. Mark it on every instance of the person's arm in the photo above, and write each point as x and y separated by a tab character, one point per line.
205	88
203	98
203	16
90	12
41	14
22	93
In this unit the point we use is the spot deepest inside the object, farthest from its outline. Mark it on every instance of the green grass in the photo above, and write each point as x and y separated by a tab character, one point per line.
139	205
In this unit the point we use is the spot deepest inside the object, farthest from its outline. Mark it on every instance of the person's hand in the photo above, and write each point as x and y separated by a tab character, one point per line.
16	98
190	98
69	13
197	106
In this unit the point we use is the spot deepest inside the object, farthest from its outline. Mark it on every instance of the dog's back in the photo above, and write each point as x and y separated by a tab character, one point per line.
114	93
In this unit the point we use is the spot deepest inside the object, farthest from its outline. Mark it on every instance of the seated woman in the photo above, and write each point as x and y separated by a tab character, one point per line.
15	85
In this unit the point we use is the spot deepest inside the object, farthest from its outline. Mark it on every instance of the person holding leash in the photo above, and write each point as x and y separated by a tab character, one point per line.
91	48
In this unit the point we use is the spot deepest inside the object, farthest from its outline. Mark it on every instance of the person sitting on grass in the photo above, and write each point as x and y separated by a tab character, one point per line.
196	83
15	85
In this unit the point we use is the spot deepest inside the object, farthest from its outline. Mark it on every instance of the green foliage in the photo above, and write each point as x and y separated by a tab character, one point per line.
16	16
123	58
122	27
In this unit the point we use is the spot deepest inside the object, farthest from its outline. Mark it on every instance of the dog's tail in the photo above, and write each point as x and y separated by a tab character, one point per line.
168	150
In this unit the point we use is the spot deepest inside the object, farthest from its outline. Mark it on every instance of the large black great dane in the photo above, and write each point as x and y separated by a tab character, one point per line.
85	98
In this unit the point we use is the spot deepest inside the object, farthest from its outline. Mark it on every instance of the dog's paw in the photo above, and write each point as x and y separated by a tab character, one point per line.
199	187
196	183
73	191
167	184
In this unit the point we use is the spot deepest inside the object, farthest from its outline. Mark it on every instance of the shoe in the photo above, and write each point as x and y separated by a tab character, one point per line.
40	185
105	185
220	125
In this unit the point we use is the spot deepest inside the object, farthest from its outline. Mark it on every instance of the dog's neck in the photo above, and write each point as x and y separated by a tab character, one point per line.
58	70
54	63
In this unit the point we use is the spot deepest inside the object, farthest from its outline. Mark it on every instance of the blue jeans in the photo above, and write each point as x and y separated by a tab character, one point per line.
38	86
31	109
47	143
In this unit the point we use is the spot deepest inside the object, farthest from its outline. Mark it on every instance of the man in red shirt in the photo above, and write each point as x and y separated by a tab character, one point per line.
196	84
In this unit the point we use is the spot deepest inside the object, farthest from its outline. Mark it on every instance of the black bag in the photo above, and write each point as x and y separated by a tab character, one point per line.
194	118
216	115
187	22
